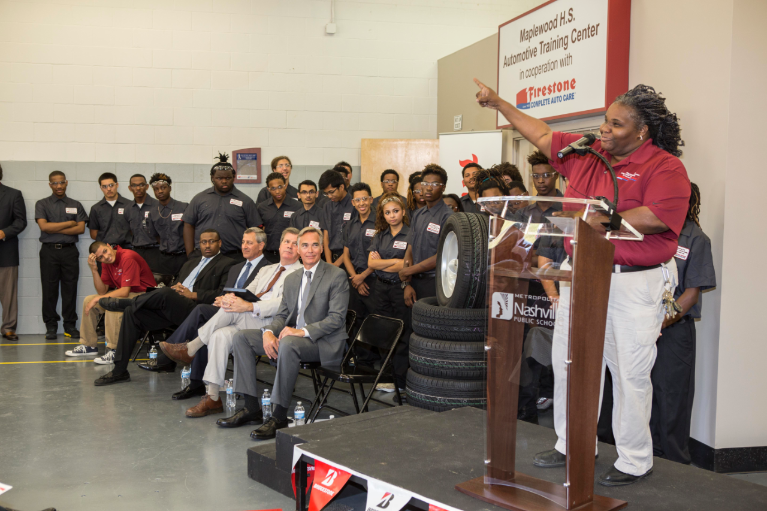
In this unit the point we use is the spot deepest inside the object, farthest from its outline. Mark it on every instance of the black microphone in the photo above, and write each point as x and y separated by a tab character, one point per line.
579	146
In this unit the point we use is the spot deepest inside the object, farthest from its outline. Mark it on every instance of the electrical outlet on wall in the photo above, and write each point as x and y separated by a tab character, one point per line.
457	122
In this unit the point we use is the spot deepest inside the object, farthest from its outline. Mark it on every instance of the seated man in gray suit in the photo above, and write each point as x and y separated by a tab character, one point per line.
314	302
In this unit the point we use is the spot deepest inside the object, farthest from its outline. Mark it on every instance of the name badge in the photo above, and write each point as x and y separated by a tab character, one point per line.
370	233
71	211
146	214
120	211
347	216
314	224
177	216
433	228
288	214
682	253
235	202
401	245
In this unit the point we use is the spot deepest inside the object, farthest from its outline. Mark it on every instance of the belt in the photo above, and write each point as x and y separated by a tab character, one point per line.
180	252
389	282
147	246
427	275
619	268
59	246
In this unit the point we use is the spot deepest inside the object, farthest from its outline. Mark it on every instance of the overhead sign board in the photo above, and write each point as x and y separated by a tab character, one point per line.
565	58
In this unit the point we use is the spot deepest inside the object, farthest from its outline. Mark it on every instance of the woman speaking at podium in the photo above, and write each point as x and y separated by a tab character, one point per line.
641	139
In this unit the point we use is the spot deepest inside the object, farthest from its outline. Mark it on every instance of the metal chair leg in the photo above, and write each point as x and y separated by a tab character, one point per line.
143	340
354	398
364	405
319	398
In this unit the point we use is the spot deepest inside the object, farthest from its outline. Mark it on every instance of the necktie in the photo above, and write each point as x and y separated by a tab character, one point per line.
244	277
304	298
272	283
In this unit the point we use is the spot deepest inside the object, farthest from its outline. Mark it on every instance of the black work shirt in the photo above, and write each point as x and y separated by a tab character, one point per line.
334	216
425	228
264	195
167	223
390	247
469	206
138	222
694	263
311	218
277	219
228	214
55	210
357	238
112	222
532	214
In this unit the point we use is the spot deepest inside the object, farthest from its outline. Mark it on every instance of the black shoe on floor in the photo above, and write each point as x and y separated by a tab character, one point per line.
154	367
51	331
110	379
531	417
269	429
191	390
71	332
615	477
115	304
549	459
241	418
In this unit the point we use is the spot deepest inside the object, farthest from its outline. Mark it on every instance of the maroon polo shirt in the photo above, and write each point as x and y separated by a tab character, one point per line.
649	177
128	270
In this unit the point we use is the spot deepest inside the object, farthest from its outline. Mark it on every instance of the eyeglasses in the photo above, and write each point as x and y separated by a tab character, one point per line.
455	208
331	192
426	184
109	186
284	166
545	175
360	200
307	192
58	183
140	185
390	181
276	188
209	242
417	192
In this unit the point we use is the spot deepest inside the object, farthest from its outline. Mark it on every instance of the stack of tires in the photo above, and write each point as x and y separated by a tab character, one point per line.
447	350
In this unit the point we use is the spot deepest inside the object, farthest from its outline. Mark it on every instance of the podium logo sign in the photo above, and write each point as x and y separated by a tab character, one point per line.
523	308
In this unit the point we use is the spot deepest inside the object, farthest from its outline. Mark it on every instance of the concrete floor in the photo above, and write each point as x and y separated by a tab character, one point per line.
73	446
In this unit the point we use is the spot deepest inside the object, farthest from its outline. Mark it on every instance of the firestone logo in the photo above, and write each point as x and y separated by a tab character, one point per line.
556	92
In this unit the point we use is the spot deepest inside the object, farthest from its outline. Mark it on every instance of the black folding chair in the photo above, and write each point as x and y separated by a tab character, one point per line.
153	334
376	333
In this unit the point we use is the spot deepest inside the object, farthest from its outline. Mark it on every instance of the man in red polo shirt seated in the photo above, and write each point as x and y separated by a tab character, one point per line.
124	274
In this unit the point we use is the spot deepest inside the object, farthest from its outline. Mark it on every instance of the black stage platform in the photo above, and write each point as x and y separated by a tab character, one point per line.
428	453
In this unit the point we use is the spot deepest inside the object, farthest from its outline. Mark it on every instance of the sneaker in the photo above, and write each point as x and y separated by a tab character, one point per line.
71	332
82	351
385	387
108	358
544	403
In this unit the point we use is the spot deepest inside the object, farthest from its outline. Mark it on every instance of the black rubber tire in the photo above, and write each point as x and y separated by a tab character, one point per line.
440	394
447	359
471	230
447	324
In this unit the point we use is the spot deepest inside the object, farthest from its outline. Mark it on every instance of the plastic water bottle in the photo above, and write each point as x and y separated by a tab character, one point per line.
266	404
186	377
299	415
153	355
231	399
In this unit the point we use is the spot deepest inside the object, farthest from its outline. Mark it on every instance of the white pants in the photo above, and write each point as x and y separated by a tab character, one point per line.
217	333
634	316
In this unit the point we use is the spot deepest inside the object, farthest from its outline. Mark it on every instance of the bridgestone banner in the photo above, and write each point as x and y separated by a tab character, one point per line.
328	481
383	497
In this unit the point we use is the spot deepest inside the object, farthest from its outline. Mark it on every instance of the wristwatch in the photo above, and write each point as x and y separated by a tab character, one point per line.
405	283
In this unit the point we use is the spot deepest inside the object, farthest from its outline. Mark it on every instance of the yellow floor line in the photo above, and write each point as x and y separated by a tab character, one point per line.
61	361
41	344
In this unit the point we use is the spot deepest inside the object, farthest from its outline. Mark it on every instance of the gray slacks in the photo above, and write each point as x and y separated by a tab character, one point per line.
248	344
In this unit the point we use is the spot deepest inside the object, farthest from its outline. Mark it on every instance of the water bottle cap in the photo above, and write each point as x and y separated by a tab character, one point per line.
299	402
332	417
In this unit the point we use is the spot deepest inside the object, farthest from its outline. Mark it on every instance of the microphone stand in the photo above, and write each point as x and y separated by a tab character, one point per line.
614	222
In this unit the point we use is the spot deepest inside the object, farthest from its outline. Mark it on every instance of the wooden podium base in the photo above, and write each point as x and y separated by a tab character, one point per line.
528	495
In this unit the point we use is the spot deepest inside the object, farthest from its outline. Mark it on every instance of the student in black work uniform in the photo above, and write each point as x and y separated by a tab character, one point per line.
143	243
61	222
469	181
357	235
346	170
309	214
389	184
418	275
386	257
276	213
166	225
673	376
222	207
415	193
108	220
335	213
284	166
545	181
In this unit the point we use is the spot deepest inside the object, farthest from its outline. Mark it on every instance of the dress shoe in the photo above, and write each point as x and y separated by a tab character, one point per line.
153	366
269	429
531	417
206	406
111	378
71	332
242	417
51	332
115	304
191	390
615	477
10	335
177	352
552	458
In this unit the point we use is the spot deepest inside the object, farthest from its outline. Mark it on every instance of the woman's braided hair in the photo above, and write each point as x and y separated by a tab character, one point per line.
486	179
694	211
650	109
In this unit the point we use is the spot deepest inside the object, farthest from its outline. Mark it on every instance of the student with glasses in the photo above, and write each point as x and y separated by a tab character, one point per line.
309	215
389	184
545	181
276	213
109	217
415	198
284	166
454	203
335	214
143	242
470	182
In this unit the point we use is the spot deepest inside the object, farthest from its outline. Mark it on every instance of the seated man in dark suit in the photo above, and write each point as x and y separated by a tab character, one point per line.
200	280
310	326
